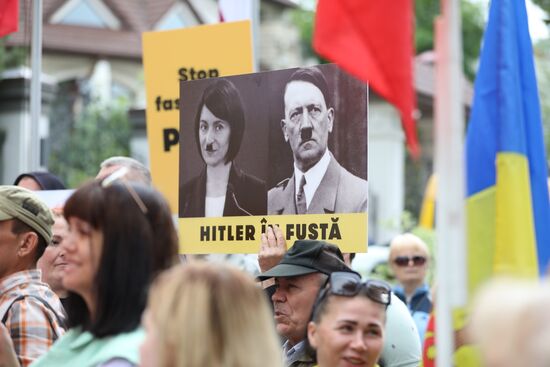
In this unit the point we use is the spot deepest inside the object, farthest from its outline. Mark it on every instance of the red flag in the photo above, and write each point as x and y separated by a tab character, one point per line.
373	40
428	351
9	11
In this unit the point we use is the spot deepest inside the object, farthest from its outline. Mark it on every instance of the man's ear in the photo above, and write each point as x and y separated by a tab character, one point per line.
283	127
330	117
28	243
312	334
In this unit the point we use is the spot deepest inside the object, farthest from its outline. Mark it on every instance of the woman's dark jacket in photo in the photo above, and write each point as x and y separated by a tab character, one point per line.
245	195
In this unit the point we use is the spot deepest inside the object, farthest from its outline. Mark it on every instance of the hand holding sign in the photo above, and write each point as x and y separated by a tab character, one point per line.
272	248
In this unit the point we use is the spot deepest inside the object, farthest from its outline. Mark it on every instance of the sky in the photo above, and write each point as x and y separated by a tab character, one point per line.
537	28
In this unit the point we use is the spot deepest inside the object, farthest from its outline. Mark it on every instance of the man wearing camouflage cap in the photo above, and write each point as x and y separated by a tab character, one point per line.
31	312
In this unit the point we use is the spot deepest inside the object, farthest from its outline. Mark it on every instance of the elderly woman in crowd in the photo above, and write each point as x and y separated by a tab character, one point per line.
120	236
409	260
52	263
221	189
347	325
203	314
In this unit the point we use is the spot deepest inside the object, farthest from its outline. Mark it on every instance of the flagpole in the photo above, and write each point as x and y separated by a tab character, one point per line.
255	18
449	163
36	86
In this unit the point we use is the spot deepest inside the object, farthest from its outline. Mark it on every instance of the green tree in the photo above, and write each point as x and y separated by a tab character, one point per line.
426	12
98	133
11	57
542	64
543	4
304	19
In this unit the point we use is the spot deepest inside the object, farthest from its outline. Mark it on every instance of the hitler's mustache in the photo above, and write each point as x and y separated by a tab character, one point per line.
209	147
305	134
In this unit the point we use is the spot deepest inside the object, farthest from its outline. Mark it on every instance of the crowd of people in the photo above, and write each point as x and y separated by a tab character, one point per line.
99	282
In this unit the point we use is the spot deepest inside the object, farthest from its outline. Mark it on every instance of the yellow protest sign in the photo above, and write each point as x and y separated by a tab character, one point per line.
285	147
180	55
242	234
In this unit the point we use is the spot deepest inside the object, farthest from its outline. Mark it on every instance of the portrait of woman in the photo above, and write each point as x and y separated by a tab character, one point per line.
221	188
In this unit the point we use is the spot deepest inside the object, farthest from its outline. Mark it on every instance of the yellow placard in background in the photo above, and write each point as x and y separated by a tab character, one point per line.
240	235
179	55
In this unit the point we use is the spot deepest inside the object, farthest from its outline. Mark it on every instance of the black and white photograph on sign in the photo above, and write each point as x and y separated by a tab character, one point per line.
289	141
223	148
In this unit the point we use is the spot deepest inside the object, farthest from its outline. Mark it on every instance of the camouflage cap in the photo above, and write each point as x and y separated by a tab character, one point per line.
23	204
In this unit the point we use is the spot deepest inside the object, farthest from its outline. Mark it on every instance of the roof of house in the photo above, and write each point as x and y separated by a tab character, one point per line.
133	16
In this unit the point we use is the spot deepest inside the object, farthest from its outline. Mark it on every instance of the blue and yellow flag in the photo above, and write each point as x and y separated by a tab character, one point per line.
508	205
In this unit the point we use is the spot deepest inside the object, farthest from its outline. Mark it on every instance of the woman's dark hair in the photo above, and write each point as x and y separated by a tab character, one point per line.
46	180
136	247
224	101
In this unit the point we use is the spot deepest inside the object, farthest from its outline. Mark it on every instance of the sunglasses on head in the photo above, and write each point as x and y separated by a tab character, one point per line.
349	285
405	260
118	176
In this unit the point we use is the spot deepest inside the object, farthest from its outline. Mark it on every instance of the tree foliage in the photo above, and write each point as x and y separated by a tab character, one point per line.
543	4
11	57
542	63
472	30
305	19
98	133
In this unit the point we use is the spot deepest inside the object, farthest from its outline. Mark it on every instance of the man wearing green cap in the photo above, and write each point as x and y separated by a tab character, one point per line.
31	312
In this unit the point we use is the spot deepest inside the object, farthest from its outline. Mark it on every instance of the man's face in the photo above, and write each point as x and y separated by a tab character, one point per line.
307	123
8	248
293	301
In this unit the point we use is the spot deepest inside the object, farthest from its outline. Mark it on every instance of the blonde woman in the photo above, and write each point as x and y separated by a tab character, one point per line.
204	314
510	323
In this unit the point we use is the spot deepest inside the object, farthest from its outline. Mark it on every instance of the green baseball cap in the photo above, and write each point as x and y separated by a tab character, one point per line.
23	204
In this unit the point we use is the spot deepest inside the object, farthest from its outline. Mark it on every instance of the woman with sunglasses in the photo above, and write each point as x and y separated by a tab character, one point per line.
409	260
120	236
348	321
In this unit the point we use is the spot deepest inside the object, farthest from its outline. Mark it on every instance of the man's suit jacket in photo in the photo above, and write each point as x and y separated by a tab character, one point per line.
339	192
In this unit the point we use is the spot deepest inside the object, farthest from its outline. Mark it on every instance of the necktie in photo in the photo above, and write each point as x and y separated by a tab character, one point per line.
301	206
